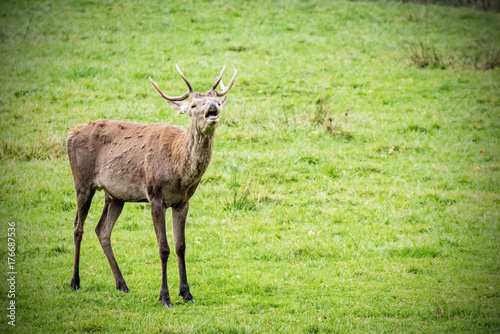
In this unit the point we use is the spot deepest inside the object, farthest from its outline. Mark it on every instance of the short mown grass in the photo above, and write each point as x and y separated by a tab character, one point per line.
349	191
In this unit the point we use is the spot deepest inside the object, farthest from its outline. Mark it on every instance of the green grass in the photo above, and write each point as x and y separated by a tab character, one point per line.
385	220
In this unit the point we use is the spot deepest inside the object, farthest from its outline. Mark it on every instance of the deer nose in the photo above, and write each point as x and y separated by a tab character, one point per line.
212	107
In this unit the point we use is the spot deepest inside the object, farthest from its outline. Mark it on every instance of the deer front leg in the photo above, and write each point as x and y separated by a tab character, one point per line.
158	215
179	214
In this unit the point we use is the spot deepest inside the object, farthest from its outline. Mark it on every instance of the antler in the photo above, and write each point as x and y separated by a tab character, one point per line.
212	90
219	78
175	98
225	89
185	79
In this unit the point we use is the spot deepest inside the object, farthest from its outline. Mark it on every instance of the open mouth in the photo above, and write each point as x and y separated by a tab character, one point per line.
212	114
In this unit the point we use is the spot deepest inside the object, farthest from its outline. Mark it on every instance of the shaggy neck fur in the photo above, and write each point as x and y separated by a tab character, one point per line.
198	149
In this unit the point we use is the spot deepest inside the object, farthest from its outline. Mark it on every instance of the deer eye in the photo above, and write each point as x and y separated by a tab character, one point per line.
193	106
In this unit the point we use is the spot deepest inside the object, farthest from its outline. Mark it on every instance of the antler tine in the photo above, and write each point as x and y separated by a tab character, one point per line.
185	79
219	78
228	87
222	85
170	98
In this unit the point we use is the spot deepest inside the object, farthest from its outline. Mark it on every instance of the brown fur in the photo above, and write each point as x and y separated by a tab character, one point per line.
124	158
157	163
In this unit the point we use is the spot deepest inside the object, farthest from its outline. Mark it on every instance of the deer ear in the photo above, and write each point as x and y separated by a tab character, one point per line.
222	100
180	106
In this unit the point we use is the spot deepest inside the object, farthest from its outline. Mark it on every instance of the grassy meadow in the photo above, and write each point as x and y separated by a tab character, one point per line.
354	185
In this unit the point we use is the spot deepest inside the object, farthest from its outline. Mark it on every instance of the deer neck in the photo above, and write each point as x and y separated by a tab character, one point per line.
199	149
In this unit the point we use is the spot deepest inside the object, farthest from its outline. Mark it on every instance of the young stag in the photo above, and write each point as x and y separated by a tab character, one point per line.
157	163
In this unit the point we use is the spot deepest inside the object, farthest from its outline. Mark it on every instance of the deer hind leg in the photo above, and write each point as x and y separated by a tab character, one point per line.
83	201
110	213
179	215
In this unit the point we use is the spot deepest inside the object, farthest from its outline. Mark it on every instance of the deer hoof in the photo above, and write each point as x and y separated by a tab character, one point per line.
122	287
75	283
187	296
166	302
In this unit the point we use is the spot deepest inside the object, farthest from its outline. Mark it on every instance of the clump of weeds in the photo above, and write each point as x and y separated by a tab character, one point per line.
423	55
482	55
337	127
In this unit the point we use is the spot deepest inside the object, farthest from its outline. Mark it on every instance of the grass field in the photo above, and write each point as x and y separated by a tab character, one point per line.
308	220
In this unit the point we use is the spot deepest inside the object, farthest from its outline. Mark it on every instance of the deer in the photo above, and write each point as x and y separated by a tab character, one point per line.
158	163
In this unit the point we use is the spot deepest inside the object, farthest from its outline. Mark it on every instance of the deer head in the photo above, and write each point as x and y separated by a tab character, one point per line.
203	108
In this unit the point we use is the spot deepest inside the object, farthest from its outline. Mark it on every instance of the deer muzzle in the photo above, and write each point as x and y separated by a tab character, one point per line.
212	112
